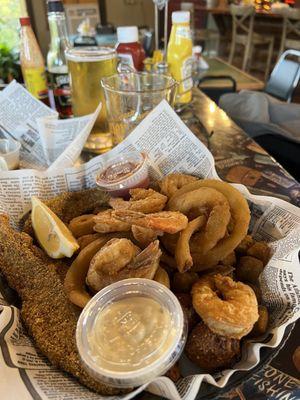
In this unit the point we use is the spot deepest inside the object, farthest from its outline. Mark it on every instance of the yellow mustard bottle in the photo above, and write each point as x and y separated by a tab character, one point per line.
179	54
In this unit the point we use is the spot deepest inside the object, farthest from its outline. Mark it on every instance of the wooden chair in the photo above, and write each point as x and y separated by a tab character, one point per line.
243	34
290	38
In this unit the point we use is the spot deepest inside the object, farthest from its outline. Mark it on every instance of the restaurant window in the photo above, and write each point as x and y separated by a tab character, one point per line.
10	11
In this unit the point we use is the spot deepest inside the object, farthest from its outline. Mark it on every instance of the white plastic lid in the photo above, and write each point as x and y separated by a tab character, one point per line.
127	34
130	288
180	17
197	49
187	6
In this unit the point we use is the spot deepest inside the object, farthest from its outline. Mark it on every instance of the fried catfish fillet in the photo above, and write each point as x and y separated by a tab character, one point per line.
48	315
69	205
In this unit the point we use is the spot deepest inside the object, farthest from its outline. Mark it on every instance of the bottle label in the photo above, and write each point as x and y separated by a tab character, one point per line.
60	85
126	59
183	32
186	74
36	82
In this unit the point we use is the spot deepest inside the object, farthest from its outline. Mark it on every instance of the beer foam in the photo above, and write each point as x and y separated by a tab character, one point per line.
90	54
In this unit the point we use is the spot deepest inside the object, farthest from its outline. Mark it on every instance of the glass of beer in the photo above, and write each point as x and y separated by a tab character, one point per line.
87	66
131	96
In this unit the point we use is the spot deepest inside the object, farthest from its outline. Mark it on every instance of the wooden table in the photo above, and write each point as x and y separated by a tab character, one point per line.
219	67
238	158
233	149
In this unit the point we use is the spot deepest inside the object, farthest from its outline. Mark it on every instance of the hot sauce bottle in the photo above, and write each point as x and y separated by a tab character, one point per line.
32	63
129	50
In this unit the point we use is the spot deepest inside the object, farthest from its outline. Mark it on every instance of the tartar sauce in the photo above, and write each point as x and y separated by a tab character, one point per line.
130	334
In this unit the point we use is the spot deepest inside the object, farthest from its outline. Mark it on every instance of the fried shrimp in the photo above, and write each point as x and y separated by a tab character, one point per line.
142	200
105	222
144	236
82	225
113	256
165	221
119	260
173	182
240	215
182	252
211	202
227	307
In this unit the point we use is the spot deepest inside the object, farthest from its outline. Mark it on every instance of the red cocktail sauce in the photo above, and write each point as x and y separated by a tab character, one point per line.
124	173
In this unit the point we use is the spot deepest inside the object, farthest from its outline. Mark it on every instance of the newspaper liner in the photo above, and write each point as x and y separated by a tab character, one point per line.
171	147
46	142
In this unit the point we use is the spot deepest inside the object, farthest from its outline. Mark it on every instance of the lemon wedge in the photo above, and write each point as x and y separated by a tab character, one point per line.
52	234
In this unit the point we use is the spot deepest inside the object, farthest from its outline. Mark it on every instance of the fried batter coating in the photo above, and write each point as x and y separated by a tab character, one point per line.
174	373
192	318
141	200
105	222
173	182
165	221
168	260
229	260
229	308
85	240
260	250
69	205
249	269
183	282
261	325
120	259
247	242
50	318
74	283
240	214
82	225
144	236
211	351
211	203
162	277
182	251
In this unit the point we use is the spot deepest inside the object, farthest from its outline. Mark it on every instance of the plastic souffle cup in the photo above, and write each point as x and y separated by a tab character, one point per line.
124	172
10	153
133	289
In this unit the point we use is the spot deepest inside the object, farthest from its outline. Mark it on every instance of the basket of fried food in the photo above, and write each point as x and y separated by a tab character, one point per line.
189	234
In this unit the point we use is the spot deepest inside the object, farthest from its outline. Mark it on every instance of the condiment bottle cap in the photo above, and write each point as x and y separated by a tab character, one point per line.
187	6
180	17
25	21
55	6
197	49
127	34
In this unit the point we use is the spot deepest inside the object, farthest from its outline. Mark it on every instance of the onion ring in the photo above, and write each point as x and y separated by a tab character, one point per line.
74	283
212	201
182	252
173	182
84	240
82	225
240	214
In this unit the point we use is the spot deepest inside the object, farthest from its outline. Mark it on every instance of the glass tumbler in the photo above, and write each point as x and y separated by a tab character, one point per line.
131	96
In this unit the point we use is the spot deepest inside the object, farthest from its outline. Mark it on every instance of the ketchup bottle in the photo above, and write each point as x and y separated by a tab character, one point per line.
129	50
